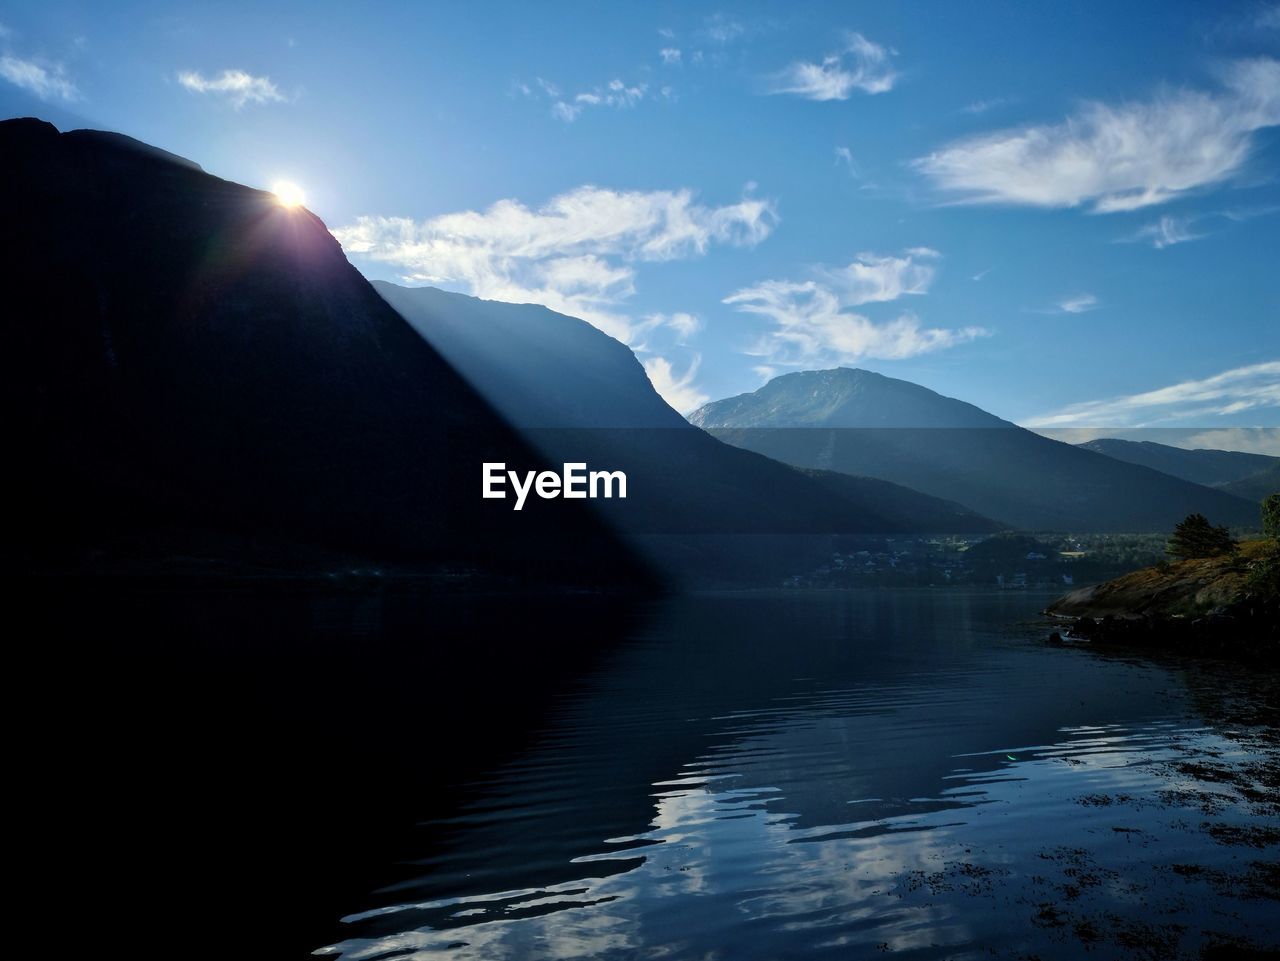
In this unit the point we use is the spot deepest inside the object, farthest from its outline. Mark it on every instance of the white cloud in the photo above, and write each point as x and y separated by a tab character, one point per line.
46	82
1079	304
814	325
568	107
859	65
619	94
670	55
845	156
723	30
678	390
237	86
1252	440
1117	158
576	254
1170	230
1255	387
1166	232
683	325
1240	214
872	278
982	106
566	111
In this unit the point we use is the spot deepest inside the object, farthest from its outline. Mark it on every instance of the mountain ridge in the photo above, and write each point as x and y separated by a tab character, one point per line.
572	388
864	423
1212	468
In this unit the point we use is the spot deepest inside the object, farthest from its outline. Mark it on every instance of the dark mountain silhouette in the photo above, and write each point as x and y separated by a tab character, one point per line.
189	362
1213	468
577	394
860	422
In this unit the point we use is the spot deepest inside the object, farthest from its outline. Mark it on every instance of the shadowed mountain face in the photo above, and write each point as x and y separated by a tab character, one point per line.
578	394
538	368
183	353
1213	468
859	422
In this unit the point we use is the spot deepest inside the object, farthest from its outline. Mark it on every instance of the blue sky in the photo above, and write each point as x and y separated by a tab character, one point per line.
1067	214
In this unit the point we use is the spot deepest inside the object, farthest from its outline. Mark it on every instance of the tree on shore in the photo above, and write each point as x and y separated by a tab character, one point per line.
1271	516
1196	537
1264	578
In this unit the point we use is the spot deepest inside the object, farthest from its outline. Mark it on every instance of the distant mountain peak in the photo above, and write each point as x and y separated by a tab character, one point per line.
866	424
842	397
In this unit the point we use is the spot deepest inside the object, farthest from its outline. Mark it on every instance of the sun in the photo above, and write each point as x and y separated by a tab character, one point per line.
288	194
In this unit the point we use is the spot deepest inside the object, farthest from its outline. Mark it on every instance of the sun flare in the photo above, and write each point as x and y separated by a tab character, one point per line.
288	194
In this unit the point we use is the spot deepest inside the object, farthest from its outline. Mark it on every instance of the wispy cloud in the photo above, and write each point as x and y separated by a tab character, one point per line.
1253	440
616	94
874	278
670	55
765	372
813	322
1076	304
678	390
46	81
1165	232
1122	157
722	29
979	107
568	112
1241	214
236	86
845	156
1236	391
578	253
684	326
1169	230
859	65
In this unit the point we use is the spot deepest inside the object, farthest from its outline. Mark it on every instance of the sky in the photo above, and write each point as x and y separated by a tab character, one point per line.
1067	214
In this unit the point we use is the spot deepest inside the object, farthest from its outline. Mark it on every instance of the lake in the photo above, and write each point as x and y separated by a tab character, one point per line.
739	776
825	774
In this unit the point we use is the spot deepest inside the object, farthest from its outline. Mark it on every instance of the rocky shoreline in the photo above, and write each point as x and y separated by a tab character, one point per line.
1216	607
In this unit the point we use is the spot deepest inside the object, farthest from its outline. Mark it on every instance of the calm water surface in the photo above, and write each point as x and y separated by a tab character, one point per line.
852	775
